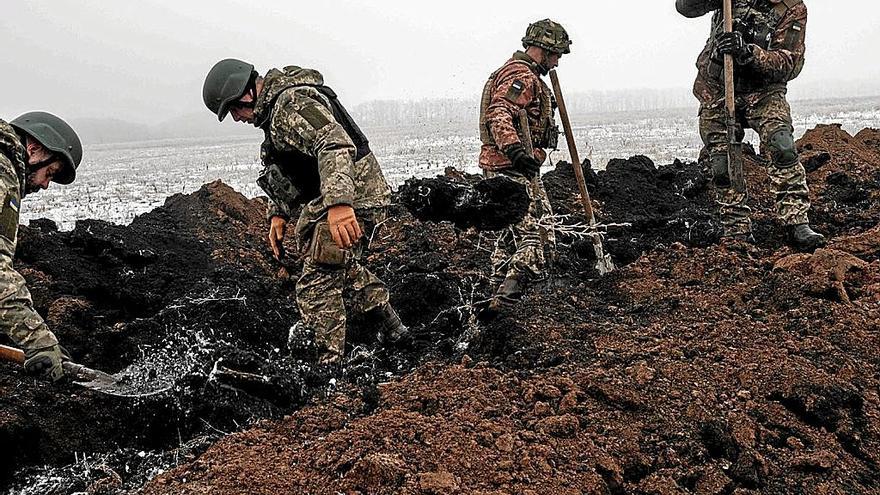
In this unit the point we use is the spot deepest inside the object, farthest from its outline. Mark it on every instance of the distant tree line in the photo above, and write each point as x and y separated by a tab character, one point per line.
466	110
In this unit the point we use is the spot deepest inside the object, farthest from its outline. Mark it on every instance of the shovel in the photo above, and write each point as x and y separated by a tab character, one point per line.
734	147
603	263
87	377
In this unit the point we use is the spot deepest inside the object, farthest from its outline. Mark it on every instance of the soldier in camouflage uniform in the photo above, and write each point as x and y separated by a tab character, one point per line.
35	149
767	46
315	156
519	252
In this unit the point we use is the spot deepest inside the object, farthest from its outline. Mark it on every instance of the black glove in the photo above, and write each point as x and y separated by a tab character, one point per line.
46	362
732	44
523	162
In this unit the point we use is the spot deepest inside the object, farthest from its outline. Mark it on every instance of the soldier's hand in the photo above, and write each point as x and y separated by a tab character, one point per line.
46	362
731	44
277	226
522	161
344	226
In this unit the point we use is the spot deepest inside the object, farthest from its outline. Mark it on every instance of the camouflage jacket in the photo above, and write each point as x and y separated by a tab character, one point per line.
18	319
306	139
516	85
775	31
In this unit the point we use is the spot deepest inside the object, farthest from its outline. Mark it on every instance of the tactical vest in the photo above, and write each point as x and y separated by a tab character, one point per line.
545	135
757	27
292	177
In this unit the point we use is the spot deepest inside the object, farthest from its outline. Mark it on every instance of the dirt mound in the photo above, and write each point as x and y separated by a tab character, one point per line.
697	367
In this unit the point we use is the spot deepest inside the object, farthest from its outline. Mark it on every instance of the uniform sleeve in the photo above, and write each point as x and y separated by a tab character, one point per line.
18	319
513	92
785	57
301	122
274	209
696	8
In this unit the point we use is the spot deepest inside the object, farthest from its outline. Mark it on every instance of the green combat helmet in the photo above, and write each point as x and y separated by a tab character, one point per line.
56	136
227	81
548	35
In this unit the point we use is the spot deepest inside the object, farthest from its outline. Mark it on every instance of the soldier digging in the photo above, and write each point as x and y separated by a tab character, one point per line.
315	157
767	46
519	252
36	149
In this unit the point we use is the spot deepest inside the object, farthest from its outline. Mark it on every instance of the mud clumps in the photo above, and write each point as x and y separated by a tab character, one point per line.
490	204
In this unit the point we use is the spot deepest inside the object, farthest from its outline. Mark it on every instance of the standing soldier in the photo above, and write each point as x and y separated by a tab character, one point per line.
517	85
767	46
315	156
35	149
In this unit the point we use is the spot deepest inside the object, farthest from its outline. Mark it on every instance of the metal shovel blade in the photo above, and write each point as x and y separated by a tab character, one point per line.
109	384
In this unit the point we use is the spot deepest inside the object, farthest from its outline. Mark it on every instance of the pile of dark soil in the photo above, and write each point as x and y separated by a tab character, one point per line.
466	201
695	368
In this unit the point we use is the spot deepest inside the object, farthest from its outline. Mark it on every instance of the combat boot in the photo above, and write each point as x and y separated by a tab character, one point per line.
804	238
511	290
391	328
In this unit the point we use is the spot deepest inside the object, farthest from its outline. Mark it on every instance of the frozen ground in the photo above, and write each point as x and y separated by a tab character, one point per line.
119	181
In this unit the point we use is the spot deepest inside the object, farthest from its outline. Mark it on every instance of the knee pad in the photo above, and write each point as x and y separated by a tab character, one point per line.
782	149
720	172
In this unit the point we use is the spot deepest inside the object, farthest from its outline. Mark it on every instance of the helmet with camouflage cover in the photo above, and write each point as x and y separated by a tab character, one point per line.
56	136
227	81
548	35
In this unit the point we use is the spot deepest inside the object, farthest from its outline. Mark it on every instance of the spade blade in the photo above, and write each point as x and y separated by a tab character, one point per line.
110	384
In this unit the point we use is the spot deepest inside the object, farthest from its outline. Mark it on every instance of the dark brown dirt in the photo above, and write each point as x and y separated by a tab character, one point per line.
696	368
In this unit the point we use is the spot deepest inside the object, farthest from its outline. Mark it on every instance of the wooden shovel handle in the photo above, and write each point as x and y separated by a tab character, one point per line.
11	354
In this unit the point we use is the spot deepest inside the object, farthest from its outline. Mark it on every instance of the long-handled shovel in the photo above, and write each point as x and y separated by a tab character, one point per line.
603	263
734	147
87	377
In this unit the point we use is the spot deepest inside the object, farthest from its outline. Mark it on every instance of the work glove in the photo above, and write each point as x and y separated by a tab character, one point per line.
277	226
46	361
522	161
344	226
733	44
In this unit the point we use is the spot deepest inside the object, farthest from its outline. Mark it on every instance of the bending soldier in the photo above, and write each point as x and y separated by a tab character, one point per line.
519	252
35	149
315	156
767	46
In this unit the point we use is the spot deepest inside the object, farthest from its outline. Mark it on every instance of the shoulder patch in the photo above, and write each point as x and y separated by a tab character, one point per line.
314	116
794	36
9	217
515	90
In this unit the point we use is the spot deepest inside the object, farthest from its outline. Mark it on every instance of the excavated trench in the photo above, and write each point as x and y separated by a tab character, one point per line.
695	367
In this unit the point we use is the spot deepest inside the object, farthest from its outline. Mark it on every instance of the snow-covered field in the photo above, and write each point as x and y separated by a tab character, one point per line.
119	181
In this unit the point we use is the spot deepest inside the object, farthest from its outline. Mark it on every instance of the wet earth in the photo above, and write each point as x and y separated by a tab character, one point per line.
699	366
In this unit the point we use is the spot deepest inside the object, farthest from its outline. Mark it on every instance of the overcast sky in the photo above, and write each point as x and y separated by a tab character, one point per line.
145	60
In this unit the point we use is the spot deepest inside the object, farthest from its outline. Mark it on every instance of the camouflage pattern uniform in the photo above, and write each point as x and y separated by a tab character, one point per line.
517	85
776	32
18	319
307	137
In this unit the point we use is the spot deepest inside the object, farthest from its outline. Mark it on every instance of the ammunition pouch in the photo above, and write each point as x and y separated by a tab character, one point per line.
323	249
279	187
550	138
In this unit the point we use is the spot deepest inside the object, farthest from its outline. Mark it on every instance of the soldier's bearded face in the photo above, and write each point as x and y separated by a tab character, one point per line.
243	110
40	178
242	114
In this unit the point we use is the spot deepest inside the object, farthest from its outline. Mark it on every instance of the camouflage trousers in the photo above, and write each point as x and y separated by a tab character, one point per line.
766	113
519	250
320	288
